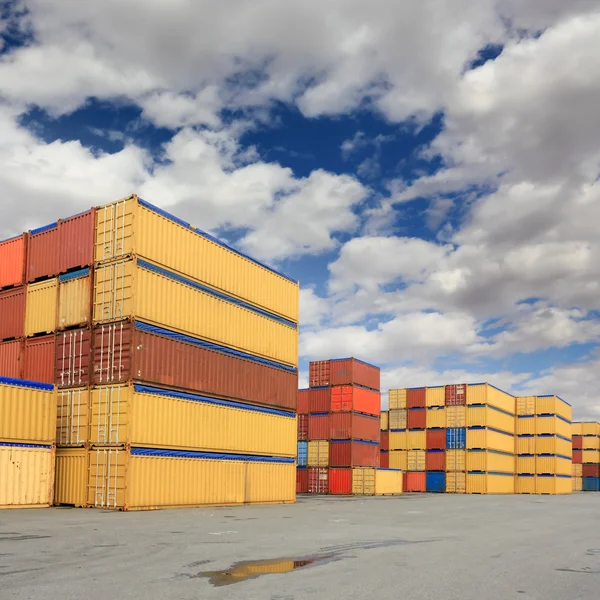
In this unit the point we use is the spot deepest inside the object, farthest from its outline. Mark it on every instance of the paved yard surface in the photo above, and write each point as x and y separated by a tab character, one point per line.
413	547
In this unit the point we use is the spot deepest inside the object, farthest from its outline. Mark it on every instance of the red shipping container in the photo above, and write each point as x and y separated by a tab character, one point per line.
42	253
12	313
350	398
385	441
76	241
590	470
340	482
319	400
346	426
318	426
319	372
405	481
139	352
38	359
302	428
351	371
416	418
13	261
384	459
10	359
577	457
436	439
301	480
318	480
456	395
416	481
415	398
353	453
73	358
435	460
577	441
303	398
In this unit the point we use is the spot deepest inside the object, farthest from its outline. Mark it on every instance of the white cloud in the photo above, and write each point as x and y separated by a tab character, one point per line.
313	309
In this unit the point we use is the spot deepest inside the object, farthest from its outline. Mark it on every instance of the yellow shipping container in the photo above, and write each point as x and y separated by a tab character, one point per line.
576	429
416	440
130	479
525	444
553	405
546	464
489	439
525	406
456	483
363	481
490	483
525	425
577	484
71	476
553	444
40	307
435	396
590	442
388	482
397	398
416	460
456	460
139	289
399	459
398	440
397	418
384	420
27	412
525	484
552	424
318	453
74	298
73	417
591	428
490	416
553	485
484	393
436	417
145	416
456	416
131	226
490	460
577	470
590	456
526	464
26	476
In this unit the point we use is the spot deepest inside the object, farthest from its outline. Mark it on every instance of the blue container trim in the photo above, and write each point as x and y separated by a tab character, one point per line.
357	360
319	387
42	229
323	414
526	416
356	442
34	385
208	455
74	275
15	445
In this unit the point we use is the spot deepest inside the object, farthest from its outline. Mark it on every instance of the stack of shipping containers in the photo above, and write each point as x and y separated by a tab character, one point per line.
456	438
586	456
384	442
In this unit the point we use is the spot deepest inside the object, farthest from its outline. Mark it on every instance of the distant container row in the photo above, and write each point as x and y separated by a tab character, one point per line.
357	481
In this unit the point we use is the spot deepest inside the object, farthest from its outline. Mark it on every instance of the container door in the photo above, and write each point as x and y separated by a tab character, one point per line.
114	229
113	291
110	412
106	483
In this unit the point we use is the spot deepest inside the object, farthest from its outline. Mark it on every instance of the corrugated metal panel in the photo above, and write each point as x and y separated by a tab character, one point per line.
302	454
592	428
128	289
354	426
552	444
436	417
144	416
525	484
384	442
349	398
576	428
435	396
72	417
490	416
416	440
302	480
435	460
398	440
484	393
350	371
388	482
490	483
416	418
302	427
343	453
27	415
590	456
589	442
318	480
490	439
124	480
318	427
525	405
577	442
397	398
526	464
456	460
436	482
525	425
318	453
73	358
71	483
436	439
75	300
12	313
456	394
577	484
552	485
456	438
399	459
76	240
13	261
130	227
416	482
40	309
10	359
319	400
384	459
553	405
303	402
319	373
363	481
525	444
552	424
577	470
416	460
415	398
398	418
456	416
551	464
38	359
490	460
384	420
456	483
27	476
578	456
42	253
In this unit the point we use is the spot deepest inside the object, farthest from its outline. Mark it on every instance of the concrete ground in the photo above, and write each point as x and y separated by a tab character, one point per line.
413	547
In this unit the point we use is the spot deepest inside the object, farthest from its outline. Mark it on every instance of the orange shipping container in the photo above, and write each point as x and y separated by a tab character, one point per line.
42	253
349	398
13	255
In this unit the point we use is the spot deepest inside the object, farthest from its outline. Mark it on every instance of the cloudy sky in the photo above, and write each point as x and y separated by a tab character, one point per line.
429	171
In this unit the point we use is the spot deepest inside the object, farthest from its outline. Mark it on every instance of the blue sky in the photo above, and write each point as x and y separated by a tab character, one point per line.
427	177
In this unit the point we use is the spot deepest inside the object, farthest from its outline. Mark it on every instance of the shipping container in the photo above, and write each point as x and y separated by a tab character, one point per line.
76	241
318	426
398	459
388	482
435	460
353	453
553	444
552	424
435	439
384	420
303	402
12	313
318	480
74	299
553	405
73	358
147	478
363	481
351	371
384	459
577	484
456	395
525	425
339	482
11	364
577	471
525	484
319	400
417	460
319	373
13	261
490	439
42	253
589	484
416	481
590	456
27	475
577	456
318	453
456	438
456	482
40	307
490	483
38	359
553	484
355	398
436	417
302	427
301	480
591	428
525	444
398	418
384	442
416	418
485	393
490	460
456	460
397	399
588	470
577	442
399	440
140	352
27	412
577	428
525	464
146	416
456	416
415	398
137	288
347	425
435	396
71	484
73	416
490	416
302	454
589	442
416	440
436	482
133	227
525	406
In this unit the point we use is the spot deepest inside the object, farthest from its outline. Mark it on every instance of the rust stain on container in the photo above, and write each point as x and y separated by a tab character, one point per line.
73	358
38	359
77	240
12	313
42	254
13	261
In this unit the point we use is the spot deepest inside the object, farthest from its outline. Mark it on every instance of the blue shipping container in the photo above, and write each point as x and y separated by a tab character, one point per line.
456	439
591	484
302	454
436	482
